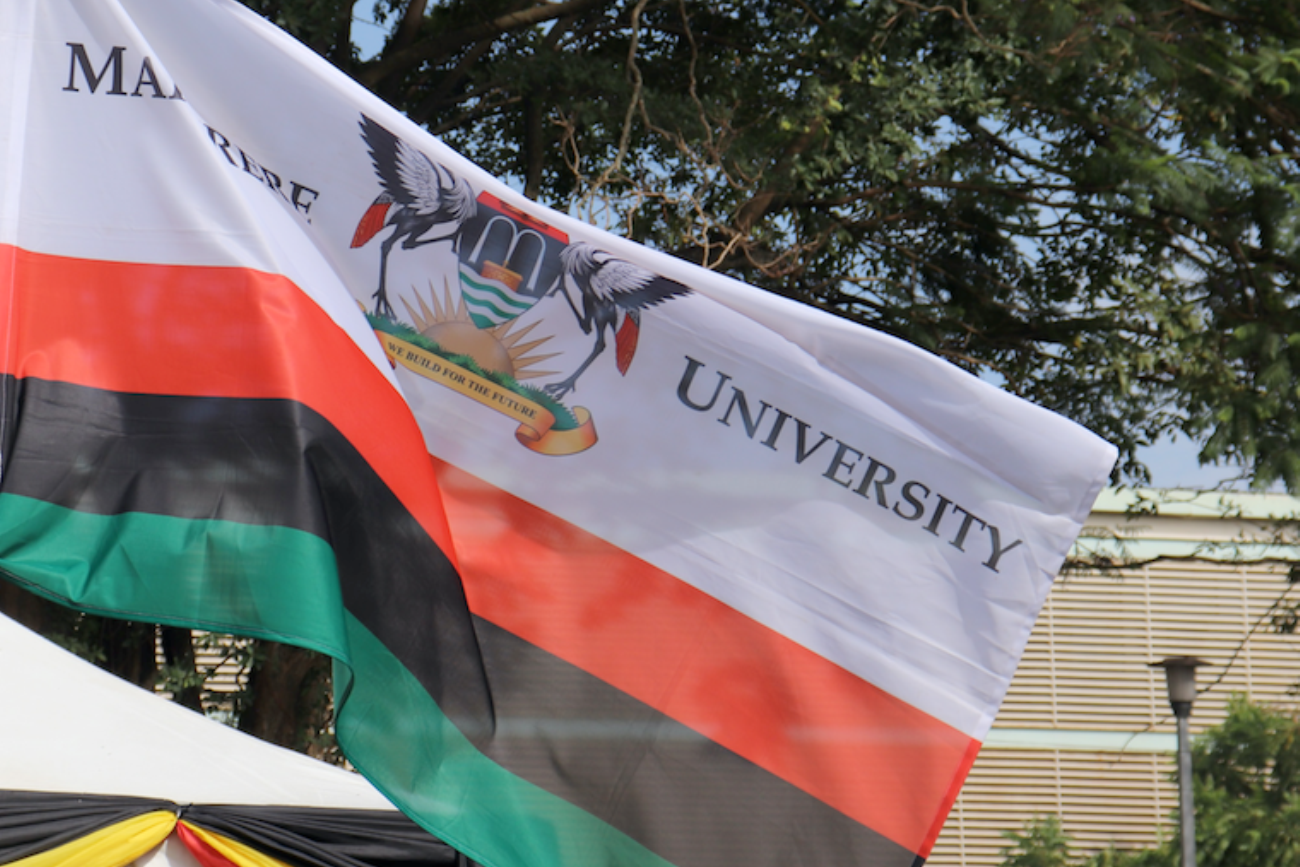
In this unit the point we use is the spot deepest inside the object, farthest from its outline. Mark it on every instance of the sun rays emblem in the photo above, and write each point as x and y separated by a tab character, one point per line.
496	349
491	365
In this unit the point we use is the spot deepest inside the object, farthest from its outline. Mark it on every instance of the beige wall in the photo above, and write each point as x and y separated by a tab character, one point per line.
1085	731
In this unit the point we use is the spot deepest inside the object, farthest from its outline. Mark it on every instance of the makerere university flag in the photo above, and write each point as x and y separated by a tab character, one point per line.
622	562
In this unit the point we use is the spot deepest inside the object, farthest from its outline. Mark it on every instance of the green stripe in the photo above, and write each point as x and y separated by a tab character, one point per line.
397	736
264	581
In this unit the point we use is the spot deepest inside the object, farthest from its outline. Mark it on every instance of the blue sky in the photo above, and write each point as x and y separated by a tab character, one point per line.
366	35
1173	464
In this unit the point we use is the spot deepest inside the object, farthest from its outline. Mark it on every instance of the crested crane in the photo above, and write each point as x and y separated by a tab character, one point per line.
427	197
613	293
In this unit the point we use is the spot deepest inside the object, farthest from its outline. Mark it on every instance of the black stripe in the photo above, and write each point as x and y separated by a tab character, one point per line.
108	452
254	461
278	462
683	796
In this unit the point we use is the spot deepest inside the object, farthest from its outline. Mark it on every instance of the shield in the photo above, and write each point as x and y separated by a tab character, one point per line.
508	260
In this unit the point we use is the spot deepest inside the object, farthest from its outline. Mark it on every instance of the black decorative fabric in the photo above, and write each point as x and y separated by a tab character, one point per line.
311	837
32	822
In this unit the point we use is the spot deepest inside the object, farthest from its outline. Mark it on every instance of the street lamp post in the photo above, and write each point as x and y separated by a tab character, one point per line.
1180	678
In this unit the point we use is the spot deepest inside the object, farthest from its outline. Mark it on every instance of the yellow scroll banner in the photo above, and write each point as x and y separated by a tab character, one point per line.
536	422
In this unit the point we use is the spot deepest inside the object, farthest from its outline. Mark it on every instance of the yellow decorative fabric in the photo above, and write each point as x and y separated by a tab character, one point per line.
241	855
114	846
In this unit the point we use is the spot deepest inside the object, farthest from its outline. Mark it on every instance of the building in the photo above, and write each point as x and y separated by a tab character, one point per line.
1086	732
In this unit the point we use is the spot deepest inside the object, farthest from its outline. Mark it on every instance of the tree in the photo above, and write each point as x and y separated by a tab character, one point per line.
1090	201
1246	791
1041	843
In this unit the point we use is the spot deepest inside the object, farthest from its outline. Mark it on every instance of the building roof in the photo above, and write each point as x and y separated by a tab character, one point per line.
1130	526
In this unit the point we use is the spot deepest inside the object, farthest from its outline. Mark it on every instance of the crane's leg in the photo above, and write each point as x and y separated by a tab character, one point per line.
584	318
558	390
382	307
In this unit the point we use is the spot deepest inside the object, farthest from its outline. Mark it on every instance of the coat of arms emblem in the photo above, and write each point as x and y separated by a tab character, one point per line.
472	331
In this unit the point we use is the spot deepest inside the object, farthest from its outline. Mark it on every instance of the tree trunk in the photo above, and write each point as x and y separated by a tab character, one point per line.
287	701
26	608
129	650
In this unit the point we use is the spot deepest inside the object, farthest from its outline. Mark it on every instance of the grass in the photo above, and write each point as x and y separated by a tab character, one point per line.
564	418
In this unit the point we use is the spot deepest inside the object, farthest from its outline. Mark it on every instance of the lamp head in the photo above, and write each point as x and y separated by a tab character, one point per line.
1180	678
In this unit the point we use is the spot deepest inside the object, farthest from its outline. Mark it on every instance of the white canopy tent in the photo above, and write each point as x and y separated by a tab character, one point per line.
83	730
69	727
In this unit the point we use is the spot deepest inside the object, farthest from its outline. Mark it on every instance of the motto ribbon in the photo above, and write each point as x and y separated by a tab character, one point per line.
536	423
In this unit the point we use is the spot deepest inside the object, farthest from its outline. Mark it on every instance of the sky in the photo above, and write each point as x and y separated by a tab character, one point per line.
1173	464
366	35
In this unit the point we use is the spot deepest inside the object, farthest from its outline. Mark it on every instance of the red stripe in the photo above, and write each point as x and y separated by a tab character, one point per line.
870	755
972	752
204	331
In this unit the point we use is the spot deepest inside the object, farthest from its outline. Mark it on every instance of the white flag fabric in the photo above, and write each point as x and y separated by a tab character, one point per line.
623	561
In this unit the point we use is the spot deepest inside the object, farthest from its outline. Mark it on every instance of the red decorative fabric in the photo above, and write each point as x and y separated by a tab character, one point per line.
202	852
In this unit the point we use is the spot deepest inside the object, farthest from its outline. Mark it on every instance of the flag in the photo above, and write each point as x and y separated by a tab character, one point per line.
644	567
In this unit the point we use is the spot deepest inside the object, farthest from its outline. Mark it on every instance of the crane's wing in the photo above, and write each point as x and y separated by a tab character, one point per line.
407	175
631	286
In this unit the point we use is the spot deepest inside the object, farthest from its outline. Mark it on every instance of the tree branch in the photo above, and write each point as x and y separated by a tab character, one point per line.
395	61
409	29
